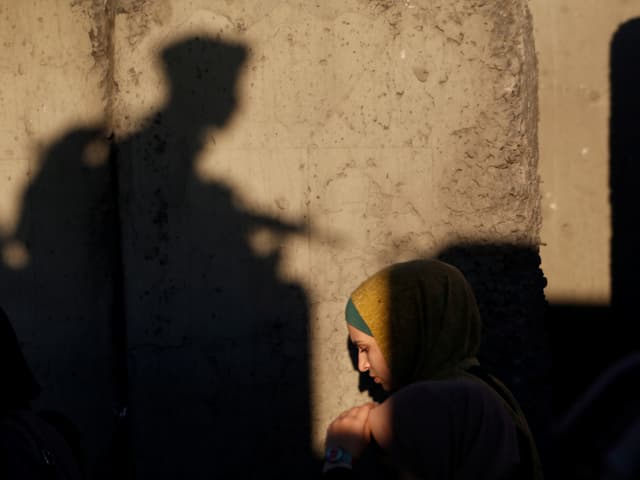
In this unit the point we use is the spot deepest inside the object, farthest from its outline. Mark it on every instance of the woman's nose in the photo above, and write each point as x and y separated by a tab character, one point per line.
363	363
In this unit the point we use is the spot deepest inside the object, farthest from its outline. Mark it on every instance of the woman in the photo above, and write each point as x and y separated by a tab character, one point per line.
417	329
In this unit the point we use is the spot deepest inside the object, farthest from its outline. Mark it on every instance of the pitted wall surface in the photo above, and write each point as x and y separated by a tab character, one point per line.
266	157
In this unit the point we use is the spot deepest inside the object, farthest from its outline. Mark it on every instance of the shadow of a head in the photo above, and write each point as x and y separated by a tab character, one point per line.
202	74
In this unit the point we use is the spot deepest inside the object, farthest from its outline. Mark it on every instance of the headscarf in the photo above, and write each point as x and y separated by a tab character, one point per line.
423	316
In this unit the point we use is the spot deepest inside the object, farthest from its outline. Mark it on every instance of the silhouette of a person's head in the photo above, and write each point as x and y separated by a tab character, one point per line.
202	74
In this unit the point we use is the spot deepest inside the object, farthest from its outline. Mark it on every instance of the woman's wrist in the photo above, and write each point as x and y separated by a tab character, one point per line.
337	457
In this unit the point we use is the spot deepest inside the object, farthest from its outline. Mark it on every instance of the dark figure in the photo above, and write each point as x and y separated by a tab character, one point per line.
218	360
32	446
61	299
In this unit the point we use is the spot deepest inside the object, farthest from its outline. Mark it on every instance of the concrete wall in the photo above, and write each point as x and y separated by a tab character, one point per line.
587	60
574	42
265	157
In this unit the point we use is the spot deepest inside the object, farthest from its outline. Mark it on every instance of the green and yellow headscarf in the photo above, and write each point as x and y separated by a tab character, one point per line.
423	316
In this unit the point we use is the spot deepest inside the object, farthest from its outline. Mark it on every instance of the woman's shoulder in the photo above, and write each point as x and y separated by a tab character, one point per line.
433	424
432	402
463	386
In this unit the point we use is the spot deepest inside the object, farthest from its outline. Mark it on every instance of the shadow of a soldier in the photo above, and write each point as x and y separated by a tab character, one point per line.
211	341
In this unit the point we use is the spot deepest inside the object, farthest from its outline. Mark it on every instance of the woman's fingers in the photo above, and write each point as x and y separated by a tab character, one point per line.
350	429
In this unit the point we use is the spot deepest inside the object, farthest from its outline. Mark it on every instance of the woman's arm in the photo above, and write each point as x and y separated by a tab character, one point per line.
380	423
347	437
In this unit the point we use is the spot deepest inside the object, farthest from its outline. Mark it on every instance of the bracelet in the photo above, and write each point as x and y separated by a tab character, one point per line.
337	457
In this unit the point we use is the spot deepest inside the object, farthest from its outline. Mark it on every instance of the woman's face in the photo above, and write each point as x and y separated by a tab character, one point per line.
370	358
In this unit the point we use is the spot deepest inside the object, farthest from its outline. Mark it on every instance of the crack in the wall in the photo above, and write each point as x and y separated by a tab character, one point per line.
109	78
101	14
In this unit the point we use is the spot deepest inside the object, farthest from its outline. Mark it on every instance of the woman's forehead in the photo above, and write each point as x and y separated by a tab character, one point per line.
358	336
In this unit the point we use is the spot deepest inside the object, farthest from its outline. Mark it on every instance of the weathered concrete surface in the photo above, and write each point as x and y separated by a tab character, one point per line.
390	129
573	41
273	154
589	69
589	106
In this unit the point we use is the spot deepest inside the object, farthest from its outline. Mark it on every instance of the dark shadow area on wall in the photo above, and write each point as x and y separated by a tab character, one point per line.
143	298
624	178
591	341
59	296
217	341
600	335
509	288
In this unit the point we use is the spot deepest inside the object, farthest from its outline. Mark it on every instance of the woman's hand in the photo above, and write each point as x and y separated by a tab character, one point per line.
350	430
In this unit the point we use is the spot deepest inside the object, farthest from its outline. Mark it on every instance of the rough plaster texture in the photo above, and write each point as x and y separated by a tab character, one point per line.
270	155
573	40
589	102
